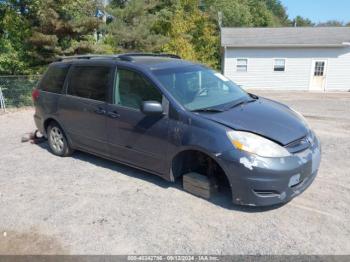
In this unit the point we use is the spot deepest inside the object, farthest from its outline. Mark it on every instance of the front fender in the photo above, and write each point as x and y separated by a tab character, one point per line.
202	135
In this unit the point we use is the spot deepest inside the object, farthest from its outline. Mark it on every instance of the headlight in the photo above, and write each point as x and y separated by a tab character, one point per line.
255	144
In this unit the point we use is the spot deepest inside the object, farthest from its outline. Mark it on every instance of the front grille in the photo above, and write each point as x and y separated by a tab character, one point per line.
299	145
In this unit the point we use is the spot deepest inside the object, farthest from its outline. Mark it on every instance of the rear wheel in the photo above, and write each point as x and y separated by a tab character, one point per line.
57	141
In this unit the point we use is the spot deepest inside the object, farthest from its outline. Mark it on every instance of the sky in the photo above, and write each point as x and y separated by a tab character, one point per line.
319	10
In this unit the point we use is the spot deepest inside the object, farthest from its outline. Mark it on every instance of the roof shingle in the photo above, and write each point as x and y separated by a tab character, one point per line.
285	36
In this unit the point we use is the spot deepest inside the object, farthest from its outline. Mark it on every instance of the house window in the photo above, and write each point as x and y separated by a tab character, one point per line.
319	68
280	65
242	65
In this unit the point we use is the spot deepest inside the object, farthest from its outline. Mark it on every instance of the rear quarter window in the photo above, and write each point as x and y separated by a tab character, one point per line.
54	78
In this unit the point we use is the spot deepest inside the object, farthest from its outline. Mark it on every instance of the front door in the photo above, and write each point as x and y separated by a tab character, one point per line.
82	109
318	77
133	137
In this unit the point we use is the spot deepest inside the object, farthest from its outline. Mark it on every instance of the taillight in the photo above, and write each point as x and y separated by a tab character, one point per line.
35	94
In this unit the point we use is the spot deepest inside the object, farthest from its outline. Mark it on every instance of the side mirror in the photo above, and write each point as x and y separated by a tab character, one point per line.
151	108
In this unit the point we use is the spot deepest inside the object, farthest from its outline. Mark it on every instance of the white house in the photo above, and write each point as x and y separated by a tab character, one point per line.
293	58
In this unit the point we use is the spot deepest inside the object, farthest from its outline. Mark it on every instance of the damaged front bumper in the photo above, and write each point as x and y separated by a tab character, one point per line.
260	181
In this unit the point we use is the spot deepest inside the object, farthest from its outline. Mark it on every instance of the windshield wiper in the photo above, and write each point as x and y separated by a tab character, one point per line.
242	103
208	109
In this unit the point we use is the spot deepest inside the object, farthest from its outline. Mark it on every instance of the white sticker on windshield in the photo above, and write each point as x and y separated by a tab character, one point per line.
221	77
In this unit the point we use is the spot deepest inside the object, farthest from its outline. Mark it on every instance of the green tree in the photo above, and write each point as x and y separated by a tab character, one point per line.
261	16
13	32
62	27
235	13
249	13
11	61
118	3
193	34
134	27
301	21
279	11
331	23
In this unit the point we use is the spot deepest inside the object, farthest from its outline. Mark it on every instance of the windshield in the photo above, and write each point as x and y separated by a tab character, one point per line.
197	87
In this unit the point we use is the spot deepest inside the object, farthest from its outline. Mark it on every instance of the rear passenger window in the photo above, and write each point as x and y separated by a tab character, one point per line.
54	78
89	82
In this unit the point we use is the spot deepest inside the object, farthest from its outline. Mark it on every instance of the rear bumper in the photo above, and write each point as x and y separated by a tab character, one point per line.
39	123
258	181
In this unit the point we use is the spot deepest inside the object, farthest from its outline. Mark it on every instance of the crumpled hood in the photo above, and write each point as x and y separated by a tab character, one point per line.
264	117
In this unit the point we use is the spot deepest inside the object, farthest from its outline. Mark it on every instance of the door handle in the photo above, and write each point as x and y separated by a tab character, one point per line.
100	111
113	114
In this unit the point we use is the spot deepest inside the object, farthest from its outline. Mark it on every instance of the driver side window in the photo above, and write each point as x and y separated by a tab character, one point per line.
131	89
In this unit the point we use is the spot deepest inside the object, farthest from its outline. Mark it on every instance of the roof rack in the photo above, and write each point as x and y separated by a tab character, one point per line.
89	56
124	57
149	54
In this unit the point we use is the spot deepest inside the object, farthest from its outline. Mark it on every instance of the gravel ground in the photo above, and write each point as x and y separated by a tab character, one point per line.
87	205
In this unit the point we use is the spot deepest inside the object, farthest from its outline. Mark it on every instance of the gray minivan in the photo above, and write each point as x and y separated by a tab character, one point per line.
169	117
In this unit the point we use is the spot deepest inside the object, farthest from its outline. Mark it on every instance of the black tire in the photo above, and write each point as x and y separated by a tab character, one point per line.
57	141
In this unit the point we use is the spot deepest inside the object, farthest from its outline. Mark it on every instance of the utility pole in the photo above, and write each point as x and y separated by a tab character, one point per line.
220	19
2	101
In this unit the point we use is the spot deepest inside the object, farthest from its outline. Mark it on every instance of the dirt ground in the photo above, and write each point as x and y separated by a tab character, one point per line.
87	205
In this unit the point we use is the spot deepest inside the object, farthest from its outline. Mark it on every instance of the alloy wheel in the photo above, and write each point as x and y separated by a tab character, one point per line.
56	139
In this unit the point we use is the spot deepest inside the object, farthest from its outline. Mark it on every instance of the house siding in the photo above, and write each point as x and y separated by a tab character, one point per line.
298	71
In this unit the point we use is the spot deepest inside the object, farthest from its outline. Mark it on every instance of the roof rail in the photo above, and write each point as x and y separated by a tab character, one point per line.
149	54
89	56
124	57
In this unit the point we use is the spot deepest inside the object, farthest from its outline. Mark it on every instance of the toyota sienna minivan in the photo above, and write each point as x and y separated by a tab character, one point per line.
169	117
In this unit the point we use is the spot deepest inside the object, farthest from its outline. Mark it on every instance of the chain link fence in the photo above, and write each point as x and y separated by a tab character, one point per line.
15	91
